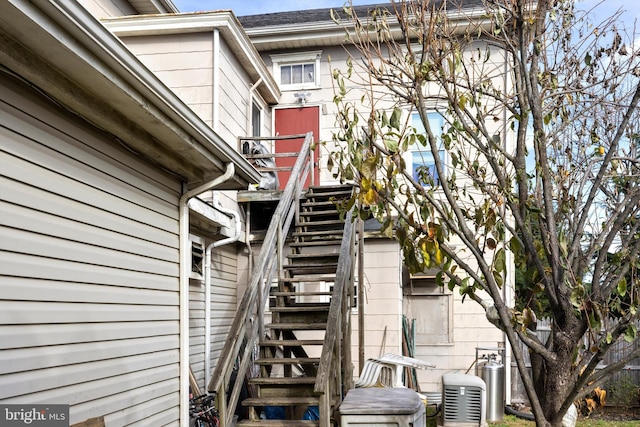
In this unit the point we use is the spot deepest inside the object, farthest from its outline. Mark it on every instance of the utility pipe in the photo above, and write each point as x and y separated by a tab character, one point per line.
250	123
185	264
207	285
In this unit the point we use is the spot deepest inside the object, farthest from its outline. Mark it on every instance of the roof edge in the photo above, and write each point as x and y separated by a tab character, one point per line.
77	39
223	20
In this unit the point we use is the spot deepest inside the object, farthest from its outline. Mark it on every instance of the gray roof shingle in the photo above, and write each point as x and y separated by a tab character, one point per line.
323	15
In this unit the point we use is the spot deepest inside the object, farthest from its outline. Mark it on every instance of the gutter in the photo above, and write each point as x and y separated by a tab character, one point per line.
185	262
83	63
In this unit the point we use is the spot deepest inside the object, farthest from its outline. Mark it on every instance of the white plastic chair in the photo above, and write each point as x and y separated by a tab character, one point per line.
386	371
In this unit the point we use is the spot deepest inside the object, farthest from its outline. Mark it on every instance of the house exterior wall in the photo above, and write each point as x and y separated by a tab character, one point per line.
383	301
224	272
385	306
188	64
89	264
183	62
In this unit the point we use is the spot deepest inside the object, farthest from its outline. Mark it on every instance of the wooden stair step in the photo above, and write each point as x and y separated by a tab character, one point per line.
277	423
310	268
319	222
280	401
318	233
313	255
329	192
314	278
332	187
290	343
310	264
300	294
303	244
287	360
301	309
324	203
297	326
319	212
284	381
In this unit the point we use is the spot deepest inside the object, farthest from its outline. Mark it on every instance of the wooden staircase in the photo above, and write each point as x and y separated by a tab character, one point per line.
291	349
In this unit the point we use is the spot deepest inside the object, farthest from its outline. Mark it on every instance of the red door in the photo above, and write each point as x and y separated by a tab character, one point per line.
293	121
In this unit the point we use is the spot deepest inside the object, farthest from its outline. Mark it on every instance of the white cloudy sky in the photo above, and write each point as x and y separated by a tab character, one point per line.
250	7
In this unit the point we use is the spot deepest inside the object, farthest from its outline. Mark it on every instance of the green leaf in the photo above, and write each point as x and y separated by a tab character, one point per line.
500	261
369	167
622	287
631	333
385	119
394	121
462	101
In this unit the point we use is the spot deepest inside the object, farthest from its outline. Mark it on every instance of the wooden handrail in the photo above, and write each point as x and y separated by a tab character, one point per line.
247	322
334	360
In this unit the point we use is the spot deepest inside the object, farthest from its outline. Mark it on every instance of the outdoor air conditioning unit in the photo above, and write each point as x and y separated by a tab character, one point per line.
463	401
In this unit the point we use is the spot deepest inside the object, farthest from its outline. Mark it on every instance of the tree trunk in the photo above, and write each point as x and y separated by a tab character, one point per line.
553	378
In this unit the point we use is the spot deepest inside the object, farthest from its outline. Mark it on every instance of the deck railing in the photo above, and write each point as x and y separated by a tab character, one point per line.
248	324
266	159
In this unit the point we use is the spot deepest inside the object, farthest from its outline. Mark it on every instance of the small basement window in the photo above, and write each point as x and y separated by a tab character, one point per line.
421	283
197	257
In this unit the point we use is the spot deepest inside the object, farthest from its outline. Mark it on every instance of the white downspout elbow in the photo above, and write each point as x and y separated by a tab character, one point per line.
185	264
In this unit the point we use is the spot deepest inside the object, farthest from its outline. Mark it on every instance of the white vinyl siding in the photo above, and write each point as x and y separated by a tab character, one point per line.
89	269
224	269
234	108
184	62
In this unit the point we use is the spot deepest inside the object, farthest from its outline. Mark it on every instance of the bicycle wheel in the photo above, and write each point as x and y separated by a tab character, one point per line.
197	422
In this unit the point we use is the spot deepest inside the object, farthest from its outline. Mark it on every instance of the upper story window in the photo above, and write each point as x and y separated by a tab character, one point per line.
256	119
420	159
297	70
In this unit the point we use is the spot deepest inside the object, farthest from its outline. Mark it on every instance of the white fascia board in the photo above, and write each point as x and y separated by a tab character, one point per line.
223	20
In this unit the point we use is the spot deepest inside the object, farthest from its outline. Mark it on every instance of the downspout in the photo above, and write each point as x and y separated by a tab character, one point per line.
252	89
207	286
185	263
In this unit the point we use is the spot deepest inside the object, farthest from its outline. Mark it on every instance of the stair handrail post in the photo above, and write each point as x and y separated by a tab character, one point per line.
312	162
258	309
249	301
329	367
347	366
279	248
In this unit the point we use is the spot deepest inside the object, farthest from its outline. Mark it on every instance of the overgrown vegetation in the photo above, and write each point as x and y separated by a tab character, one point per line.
484	140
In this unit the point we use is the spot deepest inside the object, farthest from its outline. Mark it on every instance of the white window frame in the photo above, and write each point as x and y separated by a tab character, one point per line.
197	269
417	149
301	58
256	128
